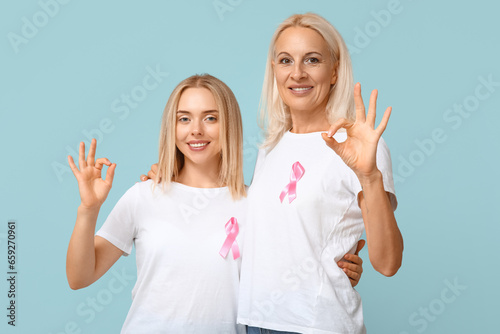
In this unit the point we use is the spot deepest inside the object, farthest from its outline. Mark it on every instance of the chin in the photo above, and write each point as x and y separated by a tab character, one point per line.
302	107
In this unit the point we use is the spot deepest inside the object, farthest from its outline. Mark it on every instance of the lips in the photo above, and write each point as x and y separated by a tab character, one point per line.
301	89
198	145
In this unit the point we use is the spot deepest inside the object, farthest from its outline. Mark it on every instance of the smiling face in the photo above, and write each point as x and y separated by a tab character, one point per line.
304	69
197	128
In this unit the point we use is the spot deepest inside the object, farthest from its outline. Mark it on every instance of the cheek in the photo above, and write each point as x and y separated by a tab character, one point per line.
178	144
280	77
177	134
326	76
180	133
214	133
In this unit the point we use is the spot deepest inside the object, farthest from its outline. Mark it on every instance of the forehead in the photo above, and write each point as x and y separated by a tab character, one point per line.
300	39
197	99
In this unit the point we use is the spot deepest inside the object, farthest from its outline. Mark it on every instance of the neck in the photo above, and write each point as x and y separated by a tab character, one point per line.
307	121
200	176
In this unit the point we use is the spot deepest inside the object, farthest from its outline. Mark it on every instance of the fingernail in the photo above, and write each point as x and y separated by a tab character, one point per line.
330	134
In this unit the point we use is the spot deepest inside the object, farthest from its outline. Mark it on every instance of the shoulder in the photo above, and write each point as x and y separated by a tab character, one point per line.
262	153
142	190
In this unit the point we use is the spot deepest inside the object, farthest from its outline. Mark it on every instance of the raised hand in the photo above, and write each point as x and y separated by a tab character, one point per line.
359	150
93	188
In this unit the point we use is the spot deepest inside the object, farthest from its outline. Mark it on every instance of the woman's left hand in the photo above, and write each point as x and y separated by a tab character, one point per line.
359	150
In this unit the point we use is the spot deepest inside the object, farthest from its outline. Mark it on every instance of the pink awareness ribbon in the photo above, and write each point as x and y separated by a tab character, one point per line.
232	230
291	188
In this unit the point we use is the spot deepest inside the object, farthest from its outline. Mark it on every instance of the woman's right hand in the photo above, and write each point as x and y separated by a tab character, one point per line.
151	174
359	150
93	188
352	264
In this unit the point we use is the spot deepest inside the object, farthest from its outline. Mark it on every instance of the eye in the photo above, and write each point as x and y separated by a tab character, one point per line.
285	61
183	119
312	61
211	119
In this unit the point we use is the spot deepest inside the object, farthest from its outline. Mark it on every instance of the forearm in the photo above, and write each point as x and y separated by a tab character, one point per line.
80	260
385	243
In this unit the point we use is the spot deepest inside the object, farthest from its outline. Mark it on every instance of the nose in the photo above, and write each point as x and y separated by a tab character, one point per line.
298	71
196	128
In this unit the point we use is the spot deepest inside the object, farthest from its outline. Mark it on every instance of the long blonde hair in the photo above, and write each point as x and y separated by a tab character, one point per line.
171	160
275	116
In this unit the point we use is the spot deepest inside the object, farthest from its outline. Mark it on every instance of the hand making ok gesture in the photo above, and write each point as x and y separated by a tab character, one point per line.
359	150
93	188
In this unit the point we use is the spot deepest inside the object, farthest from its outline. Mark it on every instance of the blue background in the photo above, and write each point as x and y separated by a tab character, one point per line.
66	66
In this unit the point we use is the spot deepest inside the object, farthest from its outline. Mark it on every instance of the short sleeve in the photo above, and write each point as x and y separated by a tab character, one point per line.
384	164
119	228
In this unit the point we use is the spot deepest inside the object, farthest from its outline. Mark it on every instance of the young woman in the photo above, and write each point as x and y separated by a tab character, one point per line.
186	228
323	176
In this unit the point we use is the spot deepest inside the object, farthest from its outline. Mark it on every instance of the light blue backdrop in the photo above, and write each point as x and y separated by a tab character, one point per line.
71	70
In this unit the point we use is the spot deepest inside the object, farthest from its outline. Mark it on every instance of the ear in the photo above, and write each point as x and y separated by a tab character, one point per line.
334	78
334	73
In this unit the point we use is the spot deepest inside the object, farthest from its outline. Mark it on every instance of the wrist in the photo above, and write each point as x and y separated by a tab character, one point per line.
367	180
89	210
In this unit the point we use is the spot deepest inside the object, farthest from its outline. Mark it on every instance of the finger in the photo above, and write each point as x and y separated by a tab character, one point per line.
358	102
372	109
332	142
340	123
144	177
91	156
353	282
328	137
151	175
154	168
361	244
110	174
102	161
352	275
351	258
351	266
72	165
81	156
385	119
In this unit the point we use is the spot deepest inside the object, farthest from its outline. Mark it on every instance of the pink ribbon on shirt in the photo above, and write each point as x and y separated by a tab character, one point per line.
232	230
291	188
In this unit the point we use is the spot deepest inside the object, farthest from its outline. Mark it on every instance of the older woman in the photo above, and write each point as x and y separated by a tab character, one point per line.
322	177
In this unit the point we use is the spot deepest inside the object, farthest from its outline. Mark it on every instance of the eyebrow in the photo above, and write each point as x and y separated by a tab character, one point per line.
307	54
203	112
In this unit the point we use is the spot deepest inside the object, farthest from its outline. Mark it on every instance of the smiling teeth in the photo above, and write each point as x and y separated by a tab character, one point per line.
198	145
300	89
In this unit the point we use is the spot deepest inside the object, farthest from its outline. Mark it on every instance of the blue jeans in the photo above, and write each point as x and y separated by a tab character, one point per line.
257	330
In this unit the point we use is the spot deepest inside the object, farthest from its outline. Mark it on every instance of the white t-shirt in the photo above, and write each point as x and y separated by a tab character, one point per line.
183	283
290	280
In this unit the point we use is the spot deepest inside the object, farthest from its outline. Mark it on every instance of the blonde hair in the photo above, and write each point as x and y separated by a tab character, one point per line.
171	160
275	116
